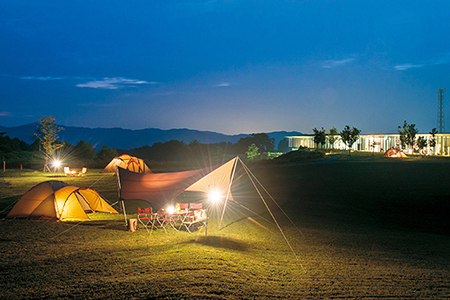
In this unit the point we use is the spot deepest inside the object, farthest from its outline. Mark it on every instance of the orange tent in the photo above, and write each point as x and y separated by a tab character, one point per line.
57	200
394	152
128	162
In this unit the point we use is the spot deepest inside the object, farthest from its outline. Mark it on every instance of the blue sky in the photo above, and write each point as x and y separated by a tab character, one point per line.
226	66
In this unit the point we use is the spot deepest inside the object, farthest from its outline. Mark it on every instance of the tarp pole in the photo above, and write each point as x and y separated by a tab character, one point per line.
229	190
124	213
120	198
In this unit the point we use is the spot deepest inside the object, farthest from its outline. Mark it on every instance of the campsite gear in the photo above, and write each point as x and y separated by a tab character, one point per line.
158	189
58	201
195	218
69	172
128	162
133	225
182	207
146	217
82	172
166	218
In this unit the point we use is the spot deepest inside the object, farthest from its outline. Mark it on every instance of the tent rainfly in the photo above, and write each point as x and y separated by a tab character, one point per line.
57	200
394	152
128	162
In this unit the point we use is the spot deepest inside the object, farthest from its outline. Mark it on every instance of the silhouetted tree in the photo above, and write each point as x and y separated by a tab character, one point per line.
283	146
421	143
84	152
332	136
349	136
433	133
106	154
319	137
407	134
48	136
252	152
261	140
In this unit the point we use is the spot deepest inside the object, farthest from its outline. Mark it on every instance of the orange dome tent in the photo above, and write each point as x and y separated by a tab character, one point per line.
128	162
57	200
394	152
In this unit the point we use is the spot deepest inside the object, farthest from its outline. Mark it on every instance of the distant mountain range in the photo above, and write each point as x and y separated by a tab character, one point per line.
120	138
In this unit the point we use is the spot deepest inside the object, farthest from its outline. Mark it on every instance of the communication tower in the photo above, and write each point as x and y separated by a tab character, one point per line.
440	116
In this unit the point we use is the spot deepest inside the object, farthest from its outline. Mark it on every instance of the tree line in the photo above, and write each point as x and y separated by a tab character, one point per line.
407	134
348	135
46	148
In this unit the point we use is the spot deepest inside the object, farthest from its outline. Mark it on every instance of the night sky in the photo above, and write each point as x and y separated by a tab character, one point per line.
225	66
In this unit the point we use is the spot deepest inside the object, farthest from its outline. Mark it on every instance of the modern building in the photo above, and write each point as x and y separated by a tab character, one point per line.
377	143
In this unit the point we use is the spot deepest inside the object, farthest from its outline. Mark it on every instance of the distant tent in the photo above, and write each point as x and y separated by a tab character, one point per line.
128	162
58	201
394	152
160	188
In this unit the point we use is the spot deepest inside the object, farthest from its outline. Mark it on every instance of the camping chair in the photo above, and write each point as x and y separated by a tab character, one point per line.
165	219
146	217
182	207
68	172
82	172
194	206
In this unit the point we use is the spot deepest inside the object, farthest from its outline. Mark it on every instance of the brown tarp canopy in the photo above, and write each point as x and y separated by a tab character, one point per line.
160	188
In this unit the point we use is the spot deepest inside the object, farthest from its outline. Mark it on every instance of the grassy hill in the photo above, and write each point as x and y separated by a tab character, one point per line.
365	227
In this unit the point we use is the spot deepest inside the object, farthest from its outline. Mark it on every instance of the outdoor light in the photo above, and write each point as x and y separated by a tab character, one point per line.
171	209
214	196
56	163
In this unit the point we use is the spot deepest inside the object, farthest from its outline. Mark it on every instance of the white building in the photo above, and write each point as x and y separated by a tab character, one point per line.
377	143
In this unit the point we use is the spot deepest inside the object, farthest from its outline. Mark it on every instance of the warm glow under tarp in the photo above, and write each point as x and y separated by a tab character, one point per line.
57	200
129	162
160	188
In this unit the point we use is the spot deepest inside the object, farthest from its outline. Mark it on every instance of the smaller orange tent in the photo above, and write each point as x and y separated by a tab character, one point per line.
128	162
58	201
394	152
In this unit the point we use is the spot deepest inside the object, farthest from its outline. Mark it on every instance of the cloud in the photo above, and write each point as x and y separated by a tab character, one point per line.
329	64
43	78
439	60
112	83
87	104
222	84
404	67
5	114
105	83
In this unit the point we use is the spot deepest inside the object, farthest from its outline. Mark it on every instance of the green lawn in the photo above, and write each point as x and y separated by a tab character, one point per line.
368	228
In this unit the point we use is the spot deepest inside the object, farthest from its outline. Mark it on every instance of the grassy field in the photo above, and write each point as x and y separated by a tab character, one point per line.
366	227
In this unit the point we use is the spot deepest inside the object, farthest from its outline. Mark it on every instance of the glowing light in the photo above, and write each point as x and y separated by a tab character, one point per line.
214	196
56	163
171	209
